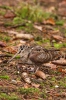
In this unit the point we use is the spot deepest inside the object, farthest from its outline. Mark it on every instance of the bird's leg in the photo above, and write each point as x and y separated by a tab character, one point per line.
36	68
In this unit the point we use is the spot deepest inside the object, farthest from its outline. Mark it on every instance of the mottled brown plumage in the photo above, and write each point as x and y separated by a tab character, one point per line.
36	55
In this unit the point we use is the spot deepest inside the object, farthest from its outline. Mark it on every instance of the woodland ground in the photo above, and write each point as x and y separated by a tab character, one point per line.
49	31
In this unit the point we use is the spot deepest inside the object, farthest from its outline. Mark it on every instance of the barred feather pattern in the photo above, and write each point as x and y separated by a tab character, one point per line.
36	54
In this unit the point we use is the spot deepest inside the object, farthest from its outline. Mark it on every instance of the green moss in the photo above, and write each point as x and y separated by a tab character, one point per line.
58	46
62	84
43	94
4	77
17	57
4	96
38	38
28	90
53	79
5	7
46	15
2	12
64	44
5	38
60	22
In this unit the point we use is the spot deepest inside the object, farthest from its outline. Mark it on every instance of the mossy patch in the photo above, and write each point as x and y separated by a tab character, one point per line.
4	77
4	96
28	90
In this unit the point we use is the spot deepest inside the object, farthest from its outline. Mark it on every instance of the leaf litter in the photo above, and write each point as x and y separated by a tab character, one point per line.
51	87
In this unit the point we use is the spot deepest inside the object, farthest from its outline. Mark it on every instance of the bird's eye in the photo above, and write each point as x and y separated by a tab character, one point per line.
22	47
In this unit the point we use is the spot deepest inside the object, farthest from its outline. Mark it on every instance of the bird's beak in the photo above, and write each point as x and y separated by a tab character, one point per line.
19	50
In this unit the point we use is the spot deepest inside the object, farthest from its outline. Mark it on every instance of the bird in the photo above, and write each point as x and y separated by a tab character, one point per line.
36	55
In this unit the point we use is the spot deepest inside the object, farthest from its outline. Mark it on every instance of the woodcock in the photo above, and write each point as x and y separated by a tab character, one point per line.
36	55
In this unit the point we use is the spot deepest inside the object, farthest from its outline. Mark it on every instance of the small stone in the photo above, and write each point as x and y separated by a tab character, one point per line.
56	86
14	81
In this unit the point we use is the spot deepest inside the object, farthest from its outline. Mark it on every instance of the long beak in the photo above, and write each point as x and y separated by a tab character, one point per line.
19	50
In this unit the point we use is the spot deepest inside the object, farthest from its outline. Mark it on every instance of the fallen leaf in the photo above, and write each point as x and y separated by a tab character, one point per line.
60	62
35	85
9	14
50	21
3	44
1	61
23	36
52	66
38	27
50	98
22	42
62	8
10	50
57	37
12	32
26	86
40	74
62	70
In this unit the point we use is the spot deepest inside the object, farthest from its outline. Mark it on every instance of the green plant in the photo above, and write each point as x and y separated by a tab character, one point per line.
17	57
57	45
43	94
8	97
4	77
53	79
6	38
60	22
2	12
28	90
30	12
17	20
62	84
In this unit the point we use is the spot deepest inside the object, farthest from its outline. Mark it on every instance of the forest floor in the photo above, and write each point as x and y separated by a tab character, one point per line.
36	22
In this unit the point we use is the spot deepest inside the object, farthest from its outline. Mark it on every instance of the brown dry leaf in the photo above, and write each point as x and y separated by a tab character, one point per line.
12	32
50	21
35	85
62	8
1	61
9	14
57	37
3	44
40	74
26	85
52	66
38	27
1	52
23	36
50	98
22	42
62	70
63	49
60	62
10	50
